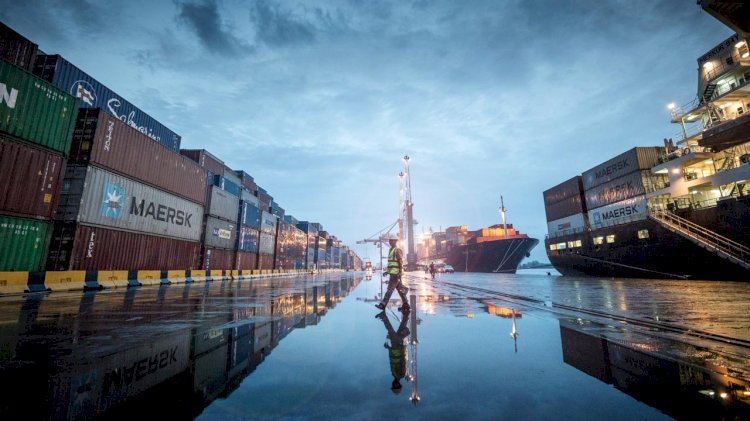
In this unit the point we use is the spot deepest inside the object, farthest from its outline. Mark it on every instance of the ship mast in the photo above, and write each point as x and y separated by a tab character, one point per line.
502	212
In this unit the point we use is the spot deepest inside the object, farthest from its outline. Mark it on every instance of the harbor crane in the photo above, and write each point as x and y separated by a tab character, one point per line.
406	217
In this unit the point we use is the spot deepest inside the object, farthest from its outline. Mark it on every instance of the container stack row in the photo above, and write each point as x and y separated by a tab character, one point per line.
92	182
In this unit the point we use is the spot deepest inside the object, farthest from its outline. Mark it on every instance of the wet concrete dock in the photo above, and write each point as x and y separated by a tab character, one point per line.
525	346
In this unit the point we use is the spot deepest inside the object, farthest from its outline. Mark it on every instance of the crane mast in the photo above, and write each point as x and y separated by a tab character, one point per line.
406	217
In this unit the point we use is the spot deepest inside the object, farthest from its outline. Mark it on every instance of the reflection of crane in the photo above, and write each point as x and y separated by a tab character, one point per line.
513	331
414	397
406	217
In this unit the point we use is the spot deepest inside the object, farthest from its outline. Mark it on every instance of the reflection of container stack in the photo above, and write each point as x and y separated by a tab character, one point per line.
615	191
124	191
36	120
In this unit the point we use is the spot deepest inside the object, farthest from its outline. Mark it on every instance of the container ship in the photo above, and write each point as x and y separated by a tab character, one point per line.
681	210
92	182
499	248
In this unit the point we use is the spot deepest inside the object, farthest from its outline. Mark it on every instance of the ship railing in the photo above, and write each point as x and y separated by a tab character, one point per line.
700	233
618	221
563	233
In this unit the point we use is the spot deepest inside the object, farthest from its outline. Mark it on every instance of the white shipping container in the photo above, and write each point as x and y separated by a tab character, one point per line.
223	205
221	234
629	210
93	196
568	225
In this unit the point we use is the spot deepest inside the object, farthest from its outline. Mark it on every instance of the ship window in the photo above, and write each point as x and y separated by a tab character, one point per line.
573	244
561	246
598	240
642	234
553	246
611	238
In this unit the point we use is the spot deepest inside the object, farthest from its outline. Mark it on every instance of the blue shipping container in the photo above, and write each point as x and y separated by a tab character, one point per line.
227	185
248	240
93	94
249	215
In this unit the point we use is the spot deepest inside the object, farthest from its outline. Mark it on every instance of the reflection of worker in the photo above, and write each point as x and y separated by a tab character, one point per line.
395	270
432	270
396	348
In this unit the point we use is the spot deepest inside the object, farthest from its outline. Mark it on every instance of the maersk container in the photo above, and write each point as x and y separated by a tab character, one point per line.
80	247
218	259
93	94
31	179
625	187
249	215
247	239
16	48
639	158
223	205
247	181
268	222
205	159
220	233
23	243
35	111
565	190
628	210
101	139
227	185
567	207
94	196
246	260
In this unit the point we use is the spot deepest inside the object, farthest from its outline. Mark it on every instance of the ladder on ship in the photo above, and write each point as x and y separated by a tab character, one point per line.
728	249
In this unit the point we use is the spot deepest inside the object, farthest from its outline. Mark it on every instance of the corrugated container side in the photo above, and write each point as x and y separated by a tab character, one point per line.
227	185
265	200
220	233
628	210
246	260
566	189
35	111
16	48
627	186
232	176
93	94
569	225
639	158
268	222
81	247
248	239
266	244
218	259
223	205
567	207
205	159
249	215
265	261
94	196
247	181
248	196
100	138
31	179
23	243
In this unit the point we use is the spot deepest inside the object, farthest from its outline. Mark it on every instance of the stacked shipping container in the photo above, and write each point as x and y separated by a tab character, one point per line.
124	199
566	208
36	120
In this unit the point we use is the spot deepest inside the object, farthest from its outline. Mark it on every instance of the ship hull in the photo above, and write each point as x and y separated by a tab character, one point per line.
663	254
499	256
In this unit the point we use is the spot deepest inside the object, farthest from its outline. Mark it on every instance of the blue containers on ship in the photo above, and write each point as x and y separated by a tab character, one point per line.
93	94
227	185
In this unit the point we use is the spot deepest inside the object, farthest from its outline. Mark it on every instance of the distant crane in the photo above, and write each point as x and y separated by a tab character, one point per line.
502	212
379	239
406	217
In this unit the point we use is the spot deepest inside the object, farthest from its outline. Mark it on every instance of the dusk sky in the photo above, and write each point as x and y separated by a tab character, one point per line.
320	100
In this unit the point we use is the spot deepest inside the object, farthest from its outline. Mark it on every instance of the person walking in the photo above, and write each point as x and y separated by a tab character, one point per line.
395	270
432	270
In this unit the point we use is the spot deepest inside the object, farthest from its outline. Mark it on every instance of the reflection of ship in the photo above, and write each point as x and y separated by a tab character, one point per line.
498	248
680	389
675	210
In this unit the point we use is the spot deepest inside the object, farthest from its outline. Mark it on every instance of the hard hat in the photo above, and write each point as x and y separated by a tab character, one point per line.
392	237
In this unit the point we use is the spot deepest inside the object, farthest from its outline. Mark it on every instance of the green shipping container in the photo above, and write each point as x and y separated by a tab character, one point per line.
33	110
23	243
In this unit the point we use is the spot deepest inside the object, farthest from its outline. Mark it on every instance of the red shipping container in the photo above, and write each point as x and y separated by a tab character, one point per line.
246	260
105	141
265	261
215	259
205	159
31	179
80	247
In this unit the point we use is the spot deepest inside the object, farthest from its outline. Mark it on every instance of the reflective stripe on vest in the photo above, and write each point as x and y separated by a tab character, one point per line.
393	266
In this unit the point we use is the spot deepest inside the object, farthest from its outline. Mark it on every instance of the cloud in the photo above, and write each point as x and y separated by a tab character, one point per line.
277	28
205	20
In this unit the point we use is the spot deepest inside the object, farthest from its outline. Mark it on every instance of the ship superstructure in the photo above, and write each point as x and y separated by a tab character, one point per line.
681	209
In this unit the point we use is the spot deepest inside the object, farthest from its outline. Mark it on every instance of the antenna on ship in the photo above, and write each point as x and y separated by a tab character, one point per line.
502	212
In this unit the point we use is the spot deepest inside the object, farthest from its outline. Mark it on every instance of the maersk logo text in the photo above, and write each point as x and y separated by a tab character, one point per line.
609	169
8	97
113	201
159	212
616	213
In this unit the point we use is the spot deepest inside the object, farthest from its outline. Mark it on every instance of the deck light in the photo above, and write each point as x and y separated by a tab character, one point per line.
671	106
723	395
708	65
739	44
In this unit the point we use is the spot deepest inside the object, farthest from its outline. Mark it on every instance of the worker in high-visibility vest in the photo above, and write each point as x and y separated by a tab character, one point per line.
397	353
395	270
